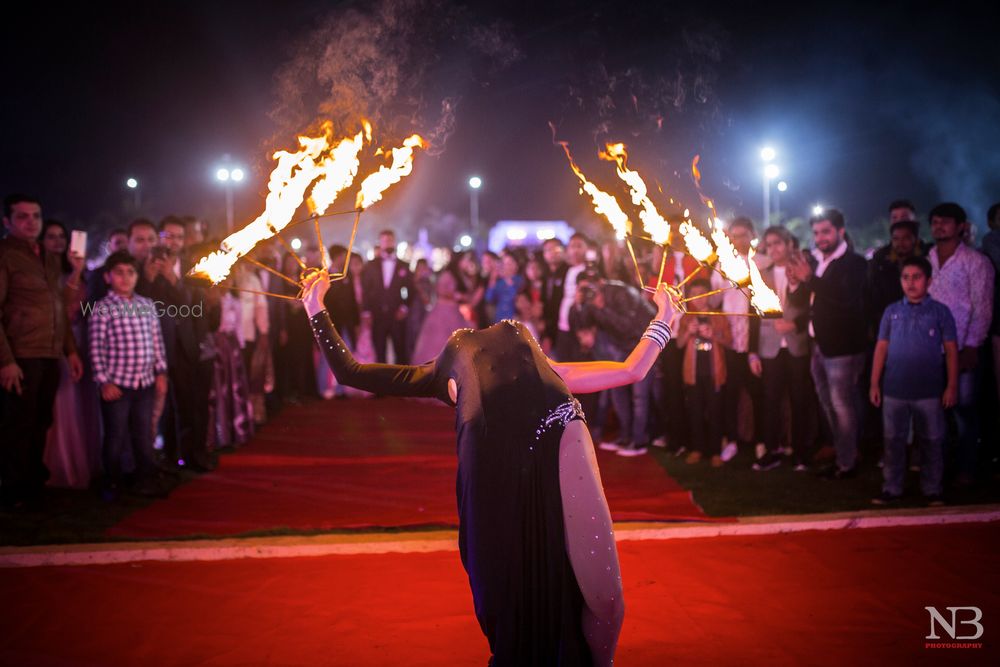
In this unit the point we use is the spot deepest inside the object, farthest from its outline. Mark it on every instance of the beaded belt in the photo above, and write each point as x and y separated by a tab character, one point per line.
562	414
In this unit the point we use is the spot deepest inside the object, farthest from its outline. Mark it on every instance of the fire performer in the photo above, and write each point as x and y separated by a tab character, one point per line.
535	532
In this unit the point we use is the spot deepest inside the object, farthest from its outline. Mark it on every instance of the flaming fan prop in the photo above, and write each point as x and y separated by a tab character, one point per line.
717	254
330	168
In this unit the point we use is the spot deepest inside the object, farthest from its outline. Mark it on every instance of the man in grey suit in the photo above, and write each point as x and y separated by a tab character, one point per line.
782	356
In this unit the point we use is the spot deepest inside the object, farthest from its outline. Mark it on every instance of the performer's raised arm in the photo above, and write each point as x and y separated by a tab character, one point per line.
387	379
589	376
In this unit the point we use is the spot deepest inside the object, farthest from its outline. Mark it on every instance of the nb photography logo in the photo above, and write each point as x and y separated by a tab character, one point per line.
949	622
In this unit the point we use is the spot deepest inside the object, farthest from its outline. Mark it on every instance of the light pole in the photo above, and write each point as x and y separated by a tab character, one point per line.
782	186
133	185
474	184
767	155
227	177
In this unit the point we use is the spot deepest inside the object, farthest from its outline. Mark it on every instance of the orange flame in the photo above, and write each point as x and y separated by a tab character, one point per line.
696	174
338	171
402	164
652	221
763	297
329	169
698	246
604	204
731	264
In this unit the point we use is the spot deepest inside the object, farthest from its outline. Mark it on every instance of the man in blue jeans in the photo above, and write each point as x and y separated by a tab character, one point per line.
609	317
920	381
834	278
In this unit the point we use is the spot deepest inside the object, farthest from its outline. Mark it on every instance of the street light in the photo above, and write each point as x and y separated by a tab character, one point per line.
133	185
818	209
767	154
782	186
227	177
474	184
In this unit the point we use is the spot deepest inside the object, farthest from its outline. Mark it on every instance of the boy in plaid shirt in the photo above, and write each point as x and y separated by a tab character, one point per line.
128	358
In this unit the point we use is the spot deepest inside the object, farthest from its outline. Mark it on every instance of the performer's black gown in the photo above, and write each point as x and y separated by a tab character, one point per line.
511	411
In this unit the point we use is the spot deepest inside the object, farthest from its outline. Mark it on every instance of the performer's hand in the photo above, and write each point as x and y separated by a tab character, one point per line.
314	287
668	303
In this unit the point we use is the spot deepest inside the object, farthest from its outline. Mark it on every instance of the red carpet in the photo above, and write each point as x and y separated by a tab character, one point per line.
853	597
359	463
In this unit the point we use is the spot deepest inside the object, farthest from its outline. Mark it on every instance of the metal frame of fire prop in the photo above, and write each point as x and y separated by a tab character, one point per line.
720	257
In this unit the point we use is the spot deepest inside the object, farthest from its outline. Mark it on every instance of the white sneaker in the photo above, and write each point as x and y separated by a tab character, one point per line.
660	441
801	467
631	451
759	451
729	451
609	446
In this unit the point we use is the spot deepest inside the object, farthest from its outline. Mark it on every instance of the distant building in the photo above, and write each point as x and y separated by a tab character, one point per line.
527	233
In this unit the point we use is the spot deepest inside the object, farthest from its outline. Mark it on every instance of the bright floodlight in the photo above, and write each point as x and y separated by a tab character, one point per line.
475	182
465	241
771	171
767	154
817	209
296	244
236	175
222	174
782	186
132	183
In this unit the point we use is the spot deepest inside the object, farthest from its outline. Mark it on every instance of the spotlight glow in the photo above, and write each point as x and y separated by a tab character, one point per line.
767	154
236	175
782	186
222	174
817	209
771	171
132	183
475	182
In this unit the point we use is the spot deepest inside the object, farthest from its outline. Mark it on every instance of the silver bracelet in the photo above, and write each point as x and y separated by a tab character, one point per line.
659	333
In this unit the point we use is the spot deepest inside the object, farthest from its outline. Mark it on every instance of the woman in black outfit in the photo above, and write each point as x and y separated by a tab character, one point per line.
535	532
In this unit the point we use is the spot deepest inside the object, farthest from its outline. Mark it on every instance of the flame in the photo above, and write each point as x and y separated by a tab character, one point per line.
338	169
731	264
604	204
330	170
698	246
402	164
762	297
652	221
696	174
287	186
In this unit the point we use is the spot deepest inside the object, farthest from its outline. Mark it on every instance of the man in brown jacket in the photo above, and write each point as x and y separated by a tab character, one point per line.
34	335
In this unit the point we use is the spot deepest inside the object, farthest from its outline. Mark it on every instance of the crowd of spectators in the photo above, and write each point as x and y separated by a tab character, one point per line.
120	376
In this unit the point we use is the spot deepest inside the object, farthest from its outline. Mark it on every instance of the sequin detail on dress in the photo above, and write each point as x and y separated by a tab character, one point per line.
562	414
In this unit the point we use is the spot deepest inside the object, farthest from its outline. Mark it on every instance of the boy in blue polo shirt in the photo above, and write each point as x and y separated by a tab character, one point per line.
917	350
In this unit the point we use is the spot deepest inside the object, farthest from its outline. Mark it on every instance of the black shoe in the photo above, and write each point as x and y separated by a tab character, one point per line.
934	500
769	461
834	472
149	488
885	498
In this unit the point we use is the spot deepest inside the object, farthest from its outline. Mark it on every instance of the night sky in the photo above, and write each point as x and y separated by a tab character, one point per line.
863	105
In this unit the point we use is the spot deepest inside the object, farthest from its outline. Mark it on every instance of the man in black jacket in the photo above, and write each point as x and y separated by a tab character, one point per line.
834	278
552	290
386	291
611	317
